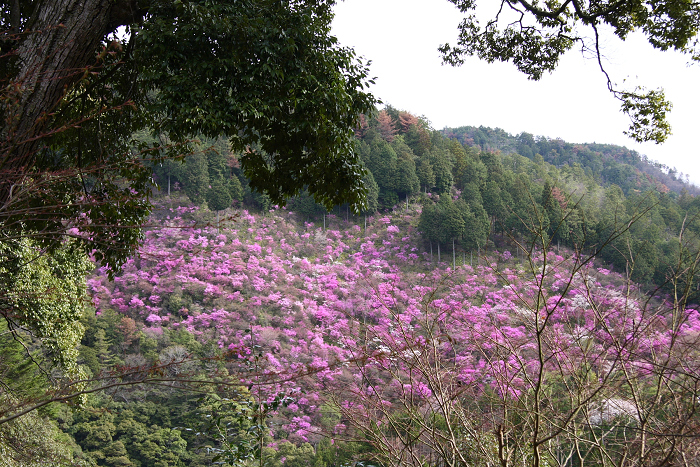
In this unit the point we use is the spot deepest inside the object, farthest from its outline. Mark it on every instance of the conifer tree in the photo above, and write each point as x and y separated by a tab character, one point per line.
195	177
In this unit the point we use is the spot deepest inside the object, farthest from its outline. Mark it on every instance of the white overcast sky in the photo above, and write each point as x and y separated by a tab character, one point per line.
401	38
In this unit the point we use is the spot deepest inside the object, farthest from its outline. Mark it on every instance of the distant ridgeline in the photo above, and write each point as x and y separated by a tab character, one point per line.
607	163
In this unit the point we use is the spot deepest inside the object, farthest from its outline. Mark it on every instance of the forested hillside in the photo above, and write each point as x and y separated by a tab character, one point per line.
493	191
479	293
481	299
607	163
325	326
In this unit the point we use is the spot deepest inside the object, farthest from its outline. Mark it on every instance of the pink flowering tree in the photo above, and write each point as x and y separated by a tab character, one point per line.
525	363
529	358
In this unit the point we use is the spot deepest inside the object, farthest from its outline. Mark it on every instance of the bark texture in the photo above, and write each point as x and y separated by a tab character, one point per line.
59	45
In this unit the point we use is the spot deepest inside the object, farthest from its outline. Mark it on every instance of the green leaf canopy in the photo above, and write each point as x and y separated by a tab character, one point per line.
269	75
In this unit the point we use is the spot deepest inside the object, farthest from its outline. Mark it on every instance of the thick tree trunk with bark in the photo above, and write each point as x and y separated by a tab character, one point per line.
58	45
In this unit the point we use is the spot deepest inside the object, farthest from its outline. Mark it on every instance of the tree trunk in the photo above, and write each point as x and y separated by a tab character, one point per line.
59	44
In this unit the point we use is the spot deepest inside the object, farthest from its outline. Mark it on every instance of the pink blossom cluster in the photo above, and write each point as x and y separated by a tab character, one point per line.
357	314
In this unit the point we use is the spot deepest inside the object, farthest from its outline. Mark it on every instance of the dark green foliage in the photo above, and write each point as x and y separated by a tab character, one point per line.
388	199
195	176
235	189
218	152
392	167
136	434
476	225
554	204
418	139
218	196
307	207
167	174
270	75
471	194
372	193
140	426
468	166
238	426
17	370
36	441
429	224
635	171
493	202
523	197
425	174
255	199
443	221
407	181
382	164
442	168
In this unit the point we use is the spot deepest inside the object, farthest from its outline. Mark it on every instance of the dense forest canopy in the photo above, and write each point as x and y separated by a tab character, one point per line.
217	291
265	74
607	163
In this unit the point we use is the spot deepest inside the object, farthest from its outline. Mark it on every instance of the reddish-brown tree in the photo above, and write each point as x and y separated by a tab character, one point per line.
386	126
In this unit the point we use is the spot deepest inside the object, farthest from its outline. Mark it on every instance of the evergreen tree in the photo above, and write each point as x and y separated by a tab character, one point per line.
429	222
493	203
418	139
372	194
476	225
382	164
442	168
407	183
235	189
102	349
407	180
217	152
425	174
305	205
452	223
471	194
442	222
195	177
465	167
218	197
494	168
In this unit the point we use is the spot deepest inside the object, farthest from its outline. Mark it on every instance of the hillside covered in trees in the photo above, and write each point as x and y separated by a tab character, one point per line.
607	163
479	292
480	187
301	306
482	299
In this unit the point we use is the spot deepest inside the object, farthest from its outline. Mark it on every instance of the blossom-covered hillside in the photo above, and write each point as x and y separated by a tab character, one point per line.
361	320
293	290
